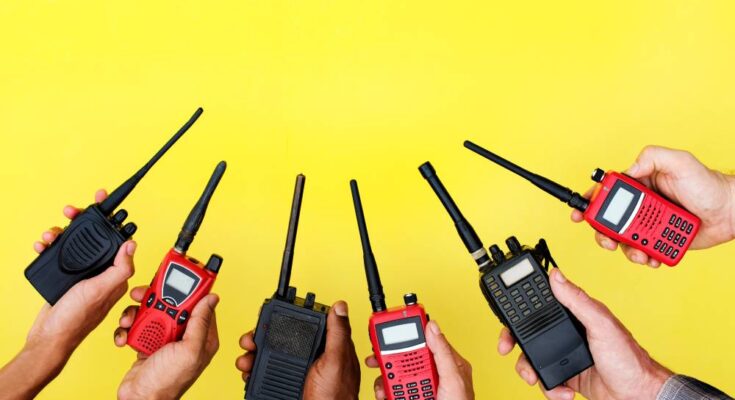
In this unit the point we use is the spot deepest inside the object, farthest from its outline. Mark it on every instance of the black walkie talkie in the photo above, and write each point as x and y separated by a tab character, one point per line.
89	244
516	285
291	331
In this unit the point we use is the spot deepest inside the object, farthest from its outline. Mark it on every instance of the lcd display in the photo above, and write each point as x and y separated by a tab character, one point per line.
616	209
179	281
400	333
517	272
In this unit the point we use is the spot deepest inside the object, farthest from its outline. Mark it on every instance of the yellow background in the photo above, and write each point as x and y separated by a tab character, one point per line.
368	90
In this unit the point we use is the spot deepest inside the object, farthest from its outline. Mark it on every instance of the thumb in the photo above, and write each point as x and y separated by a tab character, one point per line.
654	159
120	271
338	329
444	355
590	312
202	317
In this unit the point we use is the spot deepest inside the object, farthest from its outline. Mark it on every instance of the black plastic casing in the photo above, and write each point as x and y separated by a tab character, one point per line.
553	340
86	248
288	338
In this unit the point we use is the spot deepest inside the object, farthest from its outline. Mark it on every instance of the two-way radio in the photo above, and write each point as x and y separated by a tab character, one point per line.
179	284
291	331
516	285
89	244
622	208
397	334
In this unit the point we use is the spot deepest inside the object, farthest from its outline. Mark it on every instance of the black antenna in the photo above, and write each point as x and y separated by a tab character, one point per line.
293	225
573	199
465	230
375	288
194	220
118	195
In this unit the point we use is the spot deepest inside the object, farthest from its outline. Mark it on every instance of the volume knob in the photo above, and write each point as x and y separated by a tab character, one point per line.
410	299
598	175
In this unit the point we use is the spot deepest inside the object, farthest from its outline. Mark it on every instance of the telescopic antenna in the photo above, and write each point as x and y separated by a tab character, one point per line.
465	230
375	288
573	199
118	195
194	220
293	225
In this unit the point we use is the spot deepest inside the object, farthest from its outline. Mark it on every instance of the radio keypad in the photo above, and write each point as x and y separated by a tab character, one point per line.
528	295
675	236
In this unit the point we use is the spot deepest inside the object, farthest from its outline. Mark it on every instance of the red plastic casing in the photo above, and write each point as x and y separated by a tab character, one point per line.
656	226
154	327
408	369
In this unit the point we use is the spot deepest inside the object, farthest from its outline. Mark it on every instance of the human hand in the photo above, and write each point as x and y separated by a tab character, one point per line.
680	177
335	374
623	370
455	373
169	372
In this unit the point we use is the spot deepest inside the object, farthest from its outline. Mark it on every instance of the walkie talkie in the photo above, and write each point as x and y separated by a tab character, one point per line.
89	244
621	208
179	284
291	331
516	285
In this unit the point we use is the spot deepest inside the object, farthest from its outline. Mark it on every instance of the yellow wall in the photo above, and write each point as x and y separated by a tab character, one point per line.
368	90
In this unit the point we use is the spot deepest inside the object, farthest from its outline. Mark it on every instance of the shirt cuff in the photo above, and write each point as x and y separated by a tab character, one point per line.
680	387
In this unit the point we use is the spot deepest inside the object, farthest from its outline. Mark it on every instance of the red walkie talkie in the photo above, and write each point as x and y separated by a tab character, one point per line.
623	209
397	334
179	284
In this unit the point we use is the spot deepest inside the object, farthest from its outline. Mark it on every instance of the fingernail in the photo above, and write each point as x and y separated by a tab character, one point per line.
524	375
633	169
341	309
435	329
637	258
558	276
131	248
608	244
569	395
213	300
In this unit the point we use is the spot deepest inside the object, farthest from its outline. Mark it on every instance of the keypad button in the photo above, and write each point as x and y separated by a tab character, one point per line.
689	228
160	306
507	306
503	299
635	236
657	245
514	292
537	305
414	384
526	286
675	254
515	319
677	237
183	317
172	312
511	313
414	397
151	297
534	299
542	285
494	286
669	250
399	393
518	299
538	279
388	366
672	219
678	222
425	382
526	312
400	398
428	394
498	293
683	241
671	235
530	292
425	388
391	375
684	226
412	391
523	306
663	248
397	387
549	298
545	292
644	242
665	232
491	279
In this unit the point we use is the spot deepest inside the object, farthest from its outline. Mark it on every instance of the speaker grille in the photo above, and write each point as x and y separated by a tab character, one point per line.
291	336
413	363
540	321
283	379
151	337
84	247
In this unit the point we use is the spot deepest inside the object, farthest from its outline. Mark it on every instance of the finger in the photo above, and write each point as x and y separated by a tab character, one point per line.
120	337
71	212
339	333
635	255
50	235
591	313
605	242
525	371
247	341
138	292
653	263
372	362
120	271
213	336
558	393
202	317
652	159
100	195
506	343
39	247
379	389
577	216
244	363
128	317
444	354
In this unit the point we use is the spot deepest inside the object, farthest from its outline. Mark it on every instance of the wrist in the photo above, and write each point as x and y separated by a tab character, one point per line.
657	377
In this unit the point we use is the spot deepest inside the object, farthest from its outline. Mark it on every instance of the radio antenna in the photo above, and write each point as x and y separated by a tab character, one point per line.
566	195
375	288
293	225
194	220
465	230
118	195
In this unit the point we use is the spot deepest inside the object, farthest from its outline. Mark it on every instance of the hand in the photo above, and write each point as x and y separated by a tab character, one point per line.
335	374
58	330
455	373
623	370
679	176
169	372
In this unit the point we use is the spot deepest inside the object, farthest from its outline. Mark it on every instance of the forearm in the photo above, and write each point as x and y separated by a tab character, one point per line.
29	372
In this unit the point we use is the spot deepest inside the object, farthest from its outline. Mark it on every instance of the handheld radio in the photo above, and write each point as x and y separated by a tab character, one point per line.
291	331
89	244
516	285
623	209
397	334
179	284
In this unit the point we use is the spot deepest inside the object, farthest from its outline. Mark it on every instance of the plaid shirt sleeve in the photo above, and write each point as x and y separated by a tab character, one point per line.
680	387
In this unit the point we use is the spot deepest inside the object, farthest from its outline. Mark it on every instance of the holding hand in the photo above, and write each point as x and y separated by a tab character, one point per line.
169	372
335	374
455	373
679	176
58	330
623	370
